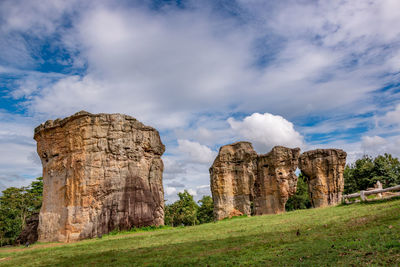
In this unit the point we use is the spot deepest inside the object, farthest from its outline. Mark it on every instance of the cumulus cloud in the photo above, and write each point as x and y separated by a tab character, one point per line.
203	190
192	192
18	160
266	131
377	145
186	71
175	184
391	117
172	168
196	152
170	191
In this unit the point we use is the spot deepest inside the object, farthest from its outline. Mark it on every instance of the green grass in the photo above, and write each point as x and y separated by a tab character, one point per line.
365	233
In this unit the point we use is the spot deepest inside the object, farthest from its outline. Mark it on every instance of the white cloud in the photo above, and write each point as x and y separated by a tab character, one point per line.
160	68
172	167
391	117
186	71
372	142
196	152
175	184
376	145
19	163
266	131
169	191
192	192
203	190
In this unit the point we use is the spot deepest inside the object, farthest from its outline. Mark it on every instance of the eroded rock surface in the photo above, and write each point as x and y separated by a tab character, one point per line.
276	180
100	172
324	170
239	176
29	234
232	178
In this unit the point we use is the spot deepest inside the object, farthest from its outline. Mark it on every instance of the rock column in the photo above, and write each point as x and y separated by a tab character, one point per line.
100	172
232	177
324	170
276	180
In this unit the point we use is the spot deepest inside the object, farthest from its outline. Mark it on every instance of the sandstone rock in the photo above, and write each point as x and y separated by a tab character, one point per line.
276	180
239	176
324	170
29	234
100	172
235	213
232	178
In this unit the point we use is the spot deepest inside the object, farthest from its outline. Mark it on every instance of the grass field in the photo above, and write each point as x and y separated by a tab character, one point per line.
336	236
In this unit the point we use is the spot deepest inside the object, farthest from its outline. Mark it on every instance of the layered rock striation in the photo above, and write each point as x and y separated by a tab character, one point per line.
276	180
232	178
324	170
239	177
100	172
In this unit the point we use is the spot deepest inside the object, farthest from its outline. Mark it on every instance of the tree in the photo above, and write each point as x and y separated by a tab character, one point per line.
16	205
365	172
169	213
182	211
205	212
301	199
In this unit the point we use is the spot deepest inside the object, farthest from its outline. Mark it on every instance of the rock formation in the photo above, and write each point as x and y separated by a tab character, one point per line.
100	172
29	234
276	180
324	170
239	176
232	177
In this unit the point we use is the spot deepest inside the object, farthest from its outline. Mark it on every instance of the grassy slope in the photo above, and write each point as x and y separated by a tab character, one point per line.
343	235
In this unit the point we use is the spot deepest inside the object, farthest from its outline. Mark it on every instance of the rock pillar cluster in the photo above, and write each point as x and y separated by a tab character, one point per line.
239	178
100	172
324	171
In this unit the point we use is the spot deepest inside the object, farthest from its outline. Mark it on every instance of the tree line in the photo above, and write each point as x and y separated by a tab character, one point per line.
18	204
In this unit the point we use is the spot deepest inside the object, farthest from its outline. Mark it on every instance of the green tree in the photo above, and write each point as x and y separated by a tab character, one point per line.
16	205
182	211
365	172
169	213
205	212
301	199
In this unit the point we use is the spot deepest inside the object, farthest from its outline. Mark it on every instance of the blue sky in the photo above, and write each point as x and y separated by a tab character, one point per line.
204	73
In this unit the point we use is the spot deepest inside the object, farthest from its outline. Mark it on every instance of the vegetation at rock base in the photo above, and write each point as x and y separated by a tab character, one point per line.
185	211
16	205
205	211
345	235
365	172
301	199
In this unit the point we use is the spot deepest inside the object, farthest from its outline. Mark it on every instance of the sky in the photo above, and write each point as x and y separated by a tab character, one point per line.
298	73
